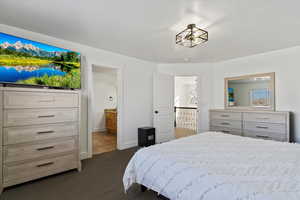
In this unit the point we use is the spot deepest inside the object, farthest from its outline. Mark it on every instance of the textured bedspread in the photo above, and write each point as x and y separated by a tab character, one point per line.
217	166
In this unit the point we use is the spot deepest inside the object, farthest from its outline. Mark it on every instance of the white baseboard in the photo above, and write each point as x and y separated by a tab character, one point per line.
99	129
128	145
202	131
84	155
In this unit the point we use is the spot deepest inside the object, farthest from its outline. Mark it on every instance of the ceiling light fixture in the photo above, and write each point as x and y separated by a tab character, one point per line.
191	36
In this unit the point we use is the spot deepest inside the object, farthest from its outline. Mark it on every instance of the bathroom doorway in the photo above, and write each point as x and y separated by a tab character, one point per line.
104	112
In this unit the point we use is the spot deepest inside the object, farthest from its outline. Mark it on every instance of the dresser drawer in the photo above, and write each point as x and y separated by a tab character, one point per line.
226	115
14	174
20	117
265	127
226	130
227	123
266	135
16	153
14	135
265	117
40	100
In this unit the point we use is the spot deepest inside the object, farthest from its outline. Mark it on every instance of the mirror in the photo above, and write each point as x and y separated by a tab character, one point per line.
250	92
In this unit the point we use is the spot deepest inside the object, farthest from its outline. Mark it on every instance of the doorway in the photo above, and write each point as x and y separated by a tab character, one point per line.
185	106
104	109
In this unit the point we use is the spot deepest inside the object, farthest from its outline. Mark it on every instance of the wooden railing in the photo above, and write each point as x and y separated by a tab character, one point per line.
186	117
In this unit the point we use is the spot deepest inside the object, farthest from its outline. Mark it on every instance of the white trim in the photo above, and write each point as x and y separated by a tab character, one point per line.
201	131
99	129
128	145
84	103
120	103
198	90
84	155
89	112
120	100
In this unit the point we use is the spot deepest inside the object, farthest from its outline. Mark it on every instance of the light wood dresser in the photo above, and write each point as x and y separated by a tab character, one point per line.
258	124
39	133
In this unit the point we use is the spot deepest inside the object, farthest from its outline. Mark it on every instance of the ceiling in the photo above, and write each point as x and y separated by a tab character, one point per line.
146	29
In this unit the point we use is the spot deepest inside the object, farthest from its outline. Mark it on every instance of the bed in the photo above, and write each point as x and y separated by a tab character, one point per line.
217	166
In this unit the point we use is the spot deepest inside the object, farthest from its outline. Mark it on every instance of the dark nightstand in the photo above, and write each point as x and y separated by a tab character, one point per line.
146	136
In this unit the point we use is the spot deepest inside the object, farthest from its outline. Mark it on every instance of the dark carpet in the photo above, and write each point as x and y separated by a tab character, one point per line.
100	179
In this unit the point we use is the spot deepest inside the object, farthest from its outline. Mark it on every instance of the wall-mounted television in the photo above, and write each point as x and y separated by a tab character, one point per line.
29	63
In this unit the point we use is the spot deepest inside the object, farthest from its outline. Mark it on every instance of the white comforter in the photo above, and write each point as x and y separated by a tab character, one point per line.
217	166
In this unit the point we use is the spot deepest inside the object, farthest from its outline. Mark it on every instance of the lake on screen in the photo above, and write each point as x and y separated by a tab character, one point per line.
17	73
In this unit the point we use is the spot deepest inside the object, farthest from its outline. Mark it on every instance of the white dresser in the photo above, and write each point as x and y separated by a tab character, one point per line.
39	133
258	124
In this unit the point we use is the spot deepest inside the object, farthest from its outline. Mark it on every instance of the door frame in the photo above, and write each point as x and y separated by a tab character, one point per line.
120	100
198	90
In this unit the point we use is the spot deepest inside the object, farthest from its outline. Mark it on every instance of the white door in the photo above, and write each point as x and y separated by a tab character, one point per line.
163	107
198	114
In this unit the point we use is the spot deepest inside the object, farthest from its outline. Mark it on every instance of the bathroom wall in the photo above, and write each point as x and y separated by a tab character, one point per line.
105	95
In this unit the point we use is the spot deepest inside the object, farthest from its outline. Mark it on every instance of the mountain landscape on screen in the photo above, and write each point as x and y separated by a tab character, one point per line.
24	61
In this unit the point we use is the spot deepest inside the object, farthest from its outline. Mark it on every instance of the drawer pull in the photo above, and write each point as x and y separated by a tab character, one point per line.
263	118
45	164
262	136
45	148
46	116
262	127
225	131
225	123
45	101
44	132
225	116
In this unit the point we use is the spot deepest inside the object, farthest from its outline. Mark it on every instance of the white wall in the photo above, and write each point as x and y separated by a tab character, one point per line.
137	84
286	65
104	86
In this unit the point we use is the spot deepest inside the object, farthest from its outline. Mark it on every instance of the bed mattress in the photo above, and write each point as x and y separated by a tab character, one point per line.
217	166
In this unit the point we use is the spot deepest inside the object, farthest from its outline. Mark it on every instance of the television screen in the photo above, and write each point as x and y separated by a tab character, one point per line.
28	62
